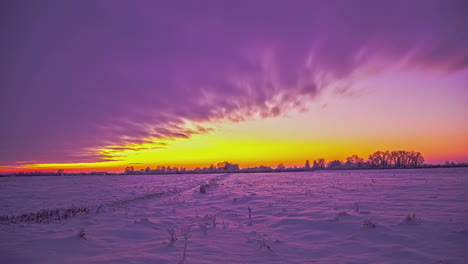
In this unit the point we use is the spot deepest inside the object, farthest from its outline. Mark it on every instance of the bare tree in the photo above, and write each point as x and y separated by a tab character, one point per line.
334	164
396	159
321	163
356	160
280	167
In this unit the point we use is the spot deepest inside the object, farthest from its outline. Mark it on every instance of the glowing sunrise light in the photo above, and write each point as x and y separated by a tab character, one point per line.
248	89
350	125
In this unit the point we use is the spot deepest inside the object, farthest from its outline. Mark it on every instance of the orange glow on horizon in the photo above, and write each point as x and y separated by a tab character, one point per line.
387	118
231	143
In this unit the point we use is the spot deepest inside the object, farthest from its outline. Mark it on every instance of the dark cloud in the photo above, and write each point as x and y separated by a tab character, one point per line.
79	75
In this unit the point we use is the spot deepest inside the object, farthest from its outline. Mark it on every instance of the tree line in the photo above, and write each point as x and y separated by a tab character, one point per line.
219	168
379	159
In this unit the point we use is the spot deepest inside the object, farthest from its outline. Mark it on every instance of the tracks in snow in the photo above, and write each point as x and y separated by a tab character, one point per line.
57	215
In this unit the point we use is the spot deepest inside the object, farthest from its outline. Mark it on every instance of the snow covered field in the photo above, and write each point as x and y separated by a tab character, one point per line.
304	217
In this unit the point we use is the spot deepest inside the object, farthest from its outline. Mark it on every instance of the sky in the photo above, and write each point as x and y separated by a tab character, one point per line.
101	85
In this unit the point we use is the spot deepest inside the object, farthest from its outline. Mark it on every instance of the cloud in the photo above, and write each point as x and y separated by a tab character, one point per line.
79	76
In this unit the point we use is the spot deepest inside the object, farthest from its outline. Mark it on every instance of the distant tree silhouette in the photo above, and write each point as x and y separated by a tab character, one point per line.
212	168
129	170
396	159
355	160
227	167
378	159
416	158
335	164
221	165
321	163
280	167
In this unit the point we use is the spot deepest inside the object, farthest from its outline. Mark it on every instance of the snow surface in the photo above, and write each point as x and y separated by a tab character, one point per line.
303	217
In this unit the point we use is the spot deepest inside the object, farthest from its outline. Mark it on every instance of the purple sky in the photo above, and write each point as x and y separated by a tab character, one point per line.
81	74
